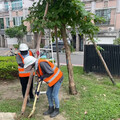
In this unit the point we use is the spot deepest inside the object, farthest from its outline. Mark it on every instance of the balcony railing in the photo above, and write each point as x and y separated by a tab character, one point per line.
17	5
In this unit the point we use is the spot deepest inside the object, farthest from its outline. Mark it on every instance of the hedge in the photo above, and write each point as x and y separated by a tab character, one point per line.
8	67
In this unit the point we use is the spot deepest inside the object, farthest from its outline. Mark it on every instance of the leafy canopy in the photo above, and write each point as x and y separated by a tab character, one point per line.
17	31
63	12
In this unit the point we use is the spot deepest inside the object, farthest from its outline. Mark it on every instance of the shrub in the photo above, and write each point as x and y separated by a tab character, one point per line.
116	41
16	46
8	68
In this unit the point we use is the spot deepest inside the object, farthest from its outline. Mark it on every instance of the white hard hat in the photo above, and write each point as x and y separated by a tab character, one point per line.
23	47
29	61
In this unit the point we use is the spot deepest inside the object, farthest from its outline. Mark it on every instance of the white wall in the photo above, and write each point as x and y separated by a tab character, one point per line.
1	6
28	3
12	41
104	40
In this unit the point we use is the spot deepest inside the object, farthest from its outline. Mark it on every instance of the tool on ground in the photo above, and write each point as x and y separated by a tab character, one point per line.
36	97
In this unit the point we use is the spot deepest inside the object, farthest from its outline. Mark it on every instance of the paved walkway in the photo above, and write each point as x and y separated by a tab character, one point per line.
6	51
7	116
76	57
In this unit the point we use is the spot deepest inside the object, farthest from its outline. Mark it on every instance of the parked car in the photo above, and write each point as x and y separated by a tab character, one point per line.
60	46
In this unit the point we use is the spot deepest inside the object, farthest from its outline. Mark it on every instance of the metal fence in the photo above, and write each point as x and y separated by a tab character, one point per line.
111	55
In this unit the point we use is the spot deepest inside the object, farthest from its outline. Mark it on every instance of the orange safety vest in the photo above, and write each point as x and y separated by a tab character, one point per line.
54	77
22	72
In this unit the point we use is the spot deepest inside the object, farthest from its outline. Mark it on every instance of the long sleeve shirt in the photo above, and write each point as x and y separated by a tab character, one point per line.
47	70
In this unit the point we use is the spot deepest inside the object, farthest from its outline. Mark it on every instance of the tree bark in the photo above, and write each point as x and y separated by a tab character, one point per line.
31	73
35	39
72	87
77	41
57	49
40	34
104	63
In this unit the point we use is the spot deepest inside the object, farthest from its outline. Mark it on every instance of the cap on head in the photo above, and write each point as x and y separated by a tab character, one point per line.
29	61
23	47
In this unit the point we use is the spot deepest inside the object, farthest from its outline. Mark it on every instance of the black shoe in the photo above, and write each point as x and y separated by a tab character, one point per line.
49	111
55	113
28	104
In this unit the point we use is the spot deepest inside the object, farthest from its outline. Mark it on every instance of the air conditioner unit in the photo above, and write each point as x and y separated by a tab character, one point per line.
110	29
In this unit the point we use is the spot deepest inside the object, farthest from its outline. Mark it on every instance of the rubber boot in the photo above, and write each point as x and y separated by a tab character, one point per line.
49	111
55	113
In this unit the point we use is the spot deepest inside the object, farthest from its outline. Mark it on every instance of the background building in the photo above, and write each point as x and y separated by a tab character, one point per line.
110	10
109	30
12	12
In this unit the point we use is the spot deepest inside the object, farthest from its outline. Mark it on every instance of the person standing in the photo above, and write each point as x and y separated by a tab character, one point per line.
24	75
50	74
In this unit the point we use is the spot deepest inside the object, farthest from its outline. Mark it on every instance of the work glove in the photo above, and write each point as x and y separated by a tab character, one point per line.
41	78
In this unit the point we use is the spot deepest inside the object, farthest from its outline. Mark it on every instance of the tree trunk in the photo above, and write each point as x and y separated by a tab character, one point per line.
72	87
104	63
77	41
57	49
35	39
31	73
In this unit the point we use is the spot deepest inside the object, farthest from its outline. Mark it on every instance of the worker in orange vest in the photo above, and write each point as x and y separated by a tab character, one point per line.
50	74
24	75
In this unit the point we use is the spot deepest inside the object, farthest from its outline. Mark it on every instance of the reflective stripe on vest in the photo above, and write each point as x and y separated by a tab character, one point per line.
55	77
22	72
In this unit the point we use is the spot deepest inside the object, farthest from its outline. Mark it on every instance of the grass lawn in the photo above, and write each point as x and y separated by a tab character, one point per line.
97	98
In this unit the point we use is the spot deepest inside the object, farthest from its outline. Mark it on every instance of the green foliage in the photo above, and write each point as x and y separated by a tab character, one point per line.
16	46
72	48
68	13
17	31
116	41
99	48
8	68
41	45
97	98
10	105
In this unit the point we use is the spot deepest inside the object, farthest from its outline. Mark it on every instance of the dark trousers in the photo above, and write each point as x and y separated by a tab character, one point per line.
24	82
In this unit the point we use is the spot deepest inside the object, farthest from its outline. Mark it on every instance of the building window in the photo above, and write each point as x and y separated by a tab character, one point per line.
6	6
7	23
105	14
17	5
1	23
17	21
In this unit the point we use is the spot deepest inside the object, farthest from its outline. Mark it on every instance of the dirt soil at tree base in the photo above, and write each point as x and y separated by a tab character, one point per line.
12	90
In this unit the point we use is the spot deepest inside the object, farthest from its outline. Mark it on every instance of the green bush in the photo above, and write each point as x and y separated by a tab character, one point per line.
8	67
116	41
16	46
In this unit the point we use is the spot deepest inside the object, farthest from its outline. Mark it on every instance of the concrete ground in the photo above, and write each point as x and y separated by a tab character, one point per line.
76	57
7	116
